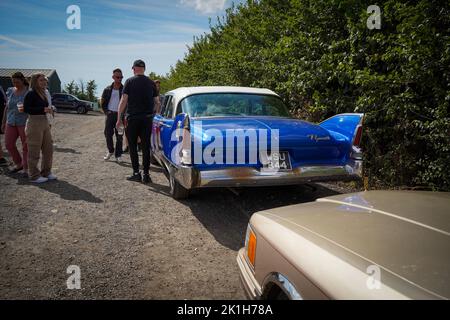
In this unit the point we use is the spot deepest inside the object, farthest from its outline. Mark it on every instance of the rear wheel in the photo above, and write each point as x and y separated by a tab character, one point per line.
81	110
177	191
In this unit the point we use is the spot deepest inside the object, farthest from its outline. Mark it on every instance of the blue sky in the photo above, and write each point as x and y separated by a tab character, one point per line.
33	34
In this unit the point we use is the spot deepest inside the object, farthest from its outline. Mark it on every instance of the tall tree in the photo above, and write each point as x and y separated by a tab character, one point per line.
91	88
71	88
82	91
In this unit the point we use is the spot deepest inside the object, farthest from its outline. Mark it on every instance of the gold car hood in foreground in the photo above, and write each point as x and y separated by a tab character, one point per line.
405	233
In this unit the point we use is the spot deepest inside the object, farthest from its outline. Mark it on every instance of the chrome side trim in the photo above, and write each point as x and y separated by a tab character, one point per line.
283	283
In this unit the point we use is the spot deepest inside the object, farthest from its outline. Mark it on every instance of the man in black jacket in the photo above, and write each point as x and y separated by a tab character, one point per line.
110	104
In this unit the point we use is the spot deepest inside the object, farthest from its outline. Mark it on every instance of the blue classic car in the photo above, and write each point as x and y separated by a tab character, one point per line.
241	137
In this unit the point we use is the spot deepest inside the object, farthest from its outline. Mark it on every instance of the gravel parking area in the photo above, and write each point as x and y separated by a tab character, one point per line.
130	240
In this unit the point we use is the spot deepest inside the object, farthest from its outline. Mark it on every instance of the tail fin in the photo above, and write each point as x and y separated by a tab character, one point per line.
350	126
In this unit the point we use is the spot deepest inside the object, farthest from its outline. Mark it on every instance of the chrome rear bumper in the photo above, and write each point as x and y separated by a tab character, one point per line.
247	177
191	178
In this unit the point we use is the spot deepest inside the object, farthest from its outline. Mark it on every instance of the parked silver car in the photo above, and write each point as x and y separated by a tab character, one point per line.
367	245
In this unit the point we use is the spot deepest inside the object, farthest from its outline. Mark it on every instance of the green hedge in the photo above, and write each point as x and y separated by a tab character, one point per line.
322	59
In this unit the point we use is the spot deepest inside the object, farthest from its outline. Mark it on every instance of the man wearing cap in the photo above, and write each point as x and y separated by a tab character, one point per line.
140	97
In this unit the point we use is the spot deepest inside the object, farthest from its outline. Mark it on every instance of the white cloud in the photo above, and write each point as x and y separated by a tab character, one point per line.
17	42
137	6
184	28
205	6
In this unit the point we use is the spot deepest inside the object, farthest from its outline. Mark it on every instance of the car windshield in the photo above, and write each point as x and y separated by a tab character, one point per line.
233	104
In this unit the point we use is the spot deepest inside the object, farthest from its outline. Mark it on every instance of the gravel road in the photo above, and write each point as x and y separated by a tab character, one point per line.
130	240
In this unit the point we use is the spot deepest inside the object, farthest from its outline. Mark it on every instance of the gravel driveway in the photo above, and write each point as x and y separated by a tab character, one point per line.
130	240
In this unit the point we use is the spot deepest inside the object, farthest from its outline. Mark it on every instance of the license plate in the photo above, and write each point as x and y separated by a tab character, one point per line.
277	161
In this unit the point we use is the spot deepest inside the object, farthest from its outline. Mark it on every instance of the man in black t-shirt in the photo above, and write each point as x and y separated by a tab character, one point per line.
140	98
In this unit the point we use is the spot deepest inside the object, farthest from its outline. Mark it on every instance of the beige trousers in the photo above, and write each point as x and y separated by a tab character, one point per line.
39	139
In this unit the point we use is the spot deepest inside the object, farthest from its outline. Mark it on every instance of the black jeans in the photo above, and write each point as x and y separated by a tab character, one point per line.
110	130
141	128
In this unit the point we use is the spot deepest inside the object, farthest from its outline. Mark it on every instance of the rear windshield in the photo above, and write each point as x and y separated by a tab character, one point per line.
233	104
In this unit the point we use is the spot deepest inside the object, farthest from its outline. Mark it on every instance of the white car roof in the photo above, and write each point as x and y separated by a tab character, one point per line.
183	92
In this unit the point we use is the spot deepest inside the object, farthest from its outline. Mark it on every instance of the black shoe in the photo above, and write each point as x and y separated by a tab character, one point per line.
15	170
126	150
135	177
146	179
3	162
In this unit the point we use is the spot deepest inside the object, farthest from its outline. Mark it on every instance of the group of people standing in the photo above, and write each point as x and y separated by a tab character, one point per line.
27	107
129	109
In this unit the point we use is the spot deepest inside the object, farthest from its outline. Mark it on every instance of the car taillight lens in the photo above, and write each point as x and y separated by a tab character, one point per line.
186	156
184	132
358	134
250	244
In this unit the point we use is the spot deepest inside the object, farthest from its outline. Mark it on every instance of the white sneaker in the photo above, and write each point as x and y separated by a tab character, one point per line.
51	176
107	156
119	159
40	180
